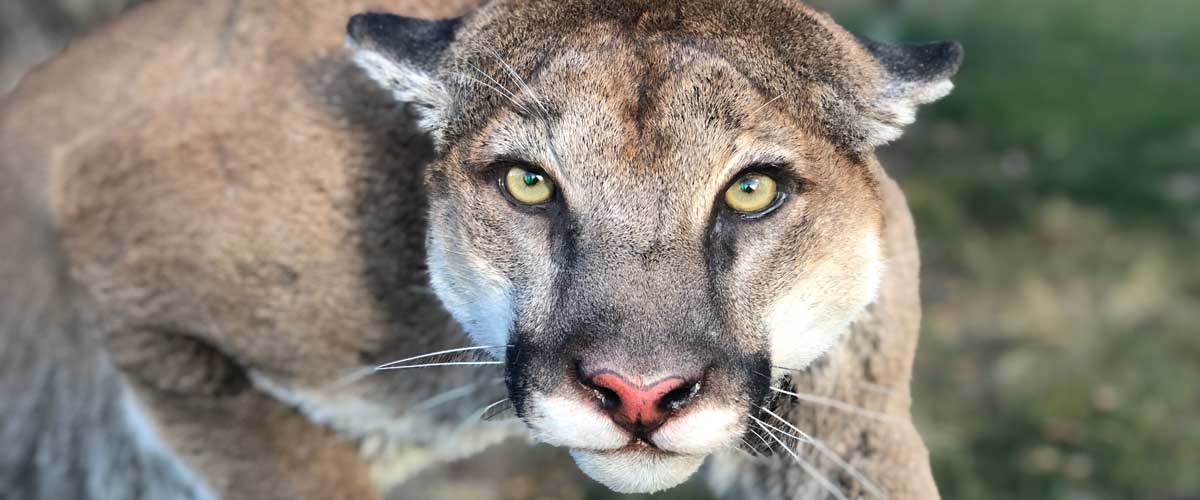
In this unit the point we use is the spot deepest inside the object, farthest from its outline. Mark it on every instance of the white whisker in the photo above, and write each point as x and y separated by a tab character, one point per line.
825	451
493	405
350	378
859	476
449	363
503	93
812	471
765	104
881	389
495	412
478	415
760	436
445	397
749	451
490	78
520	82
841	405
439	353
803	438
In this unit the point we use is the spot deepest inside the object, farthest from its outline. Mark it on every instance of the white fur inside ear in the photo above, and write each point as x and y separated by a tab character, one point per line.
408	84
897	108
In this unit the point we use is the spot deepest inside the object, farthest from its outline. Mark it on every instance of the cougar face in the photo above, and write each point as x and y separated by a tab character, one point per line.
644	209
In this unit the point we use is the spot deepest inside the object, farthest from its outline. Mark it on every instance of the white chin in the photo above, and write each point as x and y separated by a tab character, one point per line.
625	471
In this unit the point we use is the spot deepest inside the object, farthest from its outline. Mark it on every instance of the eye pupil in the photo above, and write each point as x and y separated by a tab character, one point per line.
531	178
749	186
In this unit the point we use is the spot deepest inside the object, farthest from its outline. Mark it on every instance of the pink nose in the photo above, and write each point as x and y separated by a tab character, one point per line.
642	409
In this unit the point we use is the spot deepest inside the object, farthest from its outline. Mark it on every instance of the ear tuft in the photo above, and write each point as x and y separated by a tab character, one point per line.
917	62
419	42
402	55
916	74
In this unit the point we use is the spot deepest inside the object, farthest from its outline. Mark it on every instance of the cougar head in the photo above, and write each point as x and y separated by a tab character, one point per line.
643	207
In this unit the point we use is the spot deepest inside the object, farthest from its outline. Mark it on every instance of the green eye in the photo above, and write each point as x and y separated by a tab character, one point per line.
528	187
751	193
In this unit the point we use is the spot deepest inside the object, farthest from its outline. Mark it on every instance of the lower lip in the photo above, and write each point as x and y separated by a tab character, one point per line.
640	446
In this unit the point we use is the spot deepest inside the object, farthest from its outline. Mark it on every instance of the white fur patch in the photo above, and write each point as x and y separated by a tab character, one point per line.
398	444
897	108
636	471
699	432
571	423
408	84
805	323
475	294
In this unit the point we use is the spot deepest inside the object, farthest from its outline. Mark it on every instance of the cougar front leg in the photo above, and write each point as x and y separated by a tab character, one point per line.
241	442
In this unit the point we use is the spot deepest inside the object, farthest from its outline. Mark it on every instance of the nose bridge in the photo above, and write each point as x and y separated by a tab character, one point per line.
637	282
650	328
650	291
639	210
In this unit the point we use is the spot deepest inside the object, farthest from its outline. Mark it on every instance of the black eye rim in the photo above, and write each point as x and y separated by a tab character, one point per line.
498	171
786	185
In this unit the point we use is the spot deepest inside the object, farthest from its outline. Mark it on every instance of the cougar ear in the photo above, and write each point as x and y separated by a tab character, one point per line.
916	74
402	55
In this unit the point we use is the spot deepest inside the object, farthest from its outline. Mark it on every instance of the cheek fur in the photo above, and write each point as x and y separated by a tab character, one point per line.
475	293
806	321
699	432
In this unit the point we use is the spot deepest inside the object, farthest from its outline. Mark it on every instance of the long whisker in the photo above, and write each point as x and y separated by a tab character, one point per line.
478	415
503	93
760	437
492	79
749	451
350	378
859	476
493	405
765	104
882	389
452	394
827	452
449	363
841	405
498	412
812	471
520	81
439	353
803	438
512	97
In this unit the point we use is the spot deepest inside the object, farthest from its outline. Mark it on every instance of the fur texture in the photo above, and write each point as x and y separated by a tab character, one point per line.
249	215
643	113
70	426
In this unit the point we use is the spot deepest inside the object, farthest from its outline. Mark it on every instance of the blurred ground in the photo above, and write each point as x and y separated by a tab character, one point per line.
1057	197
33	30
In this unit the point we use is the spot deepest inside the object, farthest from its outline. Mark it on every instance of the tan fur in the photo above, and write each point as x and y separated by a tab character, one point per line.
205	166
248	211
871	369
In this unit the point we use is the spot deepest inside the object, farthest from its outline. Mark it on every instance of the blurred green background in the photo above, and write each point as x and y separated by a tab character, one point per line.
1057	198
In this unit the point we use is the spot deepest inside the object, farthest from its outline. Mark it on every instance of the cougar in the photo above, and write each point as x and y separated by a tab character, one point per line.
307	262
